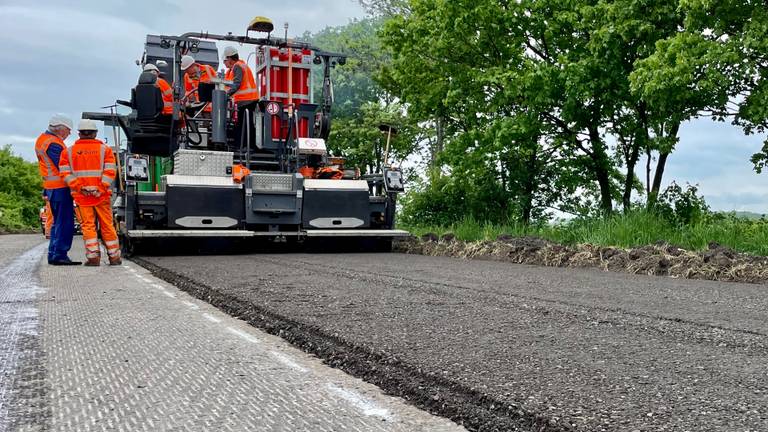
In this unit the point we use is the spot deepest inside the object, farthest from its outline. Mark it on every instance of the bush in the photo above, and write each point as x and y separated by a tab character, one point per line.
682	206
446	200
20	192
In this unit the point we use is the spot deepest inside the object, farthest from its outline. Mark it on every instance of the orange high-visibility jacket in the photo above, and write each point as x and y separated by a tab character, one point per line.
247	90
89	162
167	91
191	82
48	170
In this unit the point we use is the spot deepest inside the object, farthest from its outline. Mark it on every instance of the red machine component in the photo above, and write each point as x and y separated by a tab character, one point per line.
283	75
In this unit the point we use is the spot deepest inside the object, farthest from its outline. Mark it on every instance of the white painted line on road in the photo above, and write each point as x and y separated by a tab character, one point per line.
158	286
211	318
367	406
288	361
169	294
191	305
244	335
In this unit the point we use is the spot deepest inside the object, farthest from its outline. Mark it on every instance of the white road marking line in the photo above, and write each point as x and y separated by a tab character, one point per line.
288	361
367	406
169	294
211	318
191	305
158	286
244	335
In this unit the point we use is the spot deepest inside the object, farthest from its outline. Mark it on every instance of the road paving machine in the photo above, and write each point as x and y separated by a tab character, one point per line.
213	169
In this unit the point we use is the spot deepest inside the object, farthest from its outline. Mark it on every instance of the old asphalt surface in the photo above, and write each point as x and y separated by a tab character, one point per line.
116	349
497	346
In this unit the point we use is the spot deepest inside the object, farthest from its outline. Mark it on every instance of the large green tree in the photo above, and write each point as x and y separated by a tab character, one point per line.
473	63
362	108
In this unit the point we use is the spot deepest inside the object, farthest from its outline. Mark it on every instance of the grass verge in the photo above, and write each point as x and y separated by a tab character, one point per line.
623	230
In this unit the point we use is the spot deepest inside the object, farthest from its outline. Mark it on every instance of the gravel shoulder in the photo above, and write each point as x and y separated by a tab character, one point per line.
511	347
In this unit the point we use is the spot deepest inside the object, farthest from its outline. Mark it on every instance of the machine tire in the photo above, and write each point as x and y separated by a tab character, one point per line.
127	246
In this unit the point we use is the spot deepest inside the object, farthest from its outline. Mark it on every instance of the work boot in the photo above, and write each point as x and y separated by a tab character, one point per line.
115	261
93	262
63	262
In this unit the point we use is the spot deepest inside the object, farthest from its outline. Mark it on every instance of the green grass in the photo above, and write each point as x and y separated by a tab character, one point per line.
634	229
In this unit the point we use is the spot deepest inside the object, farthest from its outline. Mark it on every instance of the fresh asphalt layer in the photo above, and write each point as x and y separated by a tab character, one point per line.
497	346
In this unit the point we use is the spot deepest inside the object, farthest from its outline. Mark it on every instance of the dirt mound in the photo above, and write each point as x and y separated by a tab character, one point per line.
717	263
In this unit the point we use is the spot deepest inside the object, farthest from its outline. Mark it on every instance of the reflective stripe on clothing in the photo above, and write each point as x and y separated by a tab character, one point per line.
248	90
167	93
49	172
86	173
101	213
89	162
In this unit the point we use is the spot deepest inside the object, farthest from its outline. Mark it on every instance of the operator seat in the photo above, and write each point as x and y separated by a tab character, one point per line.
153	132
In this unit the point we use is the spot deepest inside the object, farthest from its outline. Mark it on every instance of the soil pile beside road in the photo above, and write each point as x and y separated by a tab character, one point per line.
717	263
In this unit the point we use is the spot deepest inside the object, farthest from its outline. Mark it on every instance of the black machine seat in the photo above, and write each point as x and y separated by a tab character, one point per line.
152	130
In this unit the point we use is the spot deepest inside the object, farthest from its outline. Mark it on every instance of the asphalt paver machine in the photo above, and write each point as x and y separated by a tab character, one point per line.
200	173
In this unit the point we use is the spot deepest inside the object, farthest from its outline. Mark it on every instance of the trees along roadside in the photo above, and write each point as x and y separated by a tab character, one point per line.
20	192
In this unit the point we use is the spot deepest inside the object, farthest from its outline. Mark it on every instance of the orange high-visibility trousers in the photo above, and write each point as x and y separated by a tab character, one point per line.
103	213
48	219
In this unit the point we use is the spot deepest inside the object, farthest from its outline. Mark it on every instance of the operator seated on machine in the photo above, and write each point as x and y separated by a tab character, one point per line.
164	87
195	74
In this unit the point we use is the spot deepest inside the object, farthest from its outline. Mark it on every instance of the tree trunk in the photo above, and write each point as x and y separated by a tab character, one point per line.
626	198
660	165
439	140
528	188
657	176
601	168
632	155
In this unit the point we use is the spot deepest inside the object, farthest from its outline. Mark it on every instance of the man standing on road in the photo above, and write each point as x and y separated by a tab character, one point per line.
89	169
49	148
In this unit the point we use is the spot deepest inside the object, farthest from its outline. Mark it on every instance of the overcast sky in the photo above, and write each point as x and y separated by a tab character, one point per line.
73	56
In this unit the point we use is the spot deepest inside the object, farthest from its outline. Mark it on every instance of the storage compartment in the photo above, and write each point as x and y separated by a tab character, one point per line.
335	204
206	207
202	163
273	199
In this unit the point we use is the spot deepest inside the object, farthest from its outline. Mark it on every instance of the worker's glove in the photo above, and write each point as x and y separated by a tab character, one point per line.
91	191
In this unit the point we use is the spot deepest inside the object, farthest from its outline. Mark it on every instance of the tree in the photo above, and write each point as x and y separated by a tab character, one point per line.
721	53
20	192
361	106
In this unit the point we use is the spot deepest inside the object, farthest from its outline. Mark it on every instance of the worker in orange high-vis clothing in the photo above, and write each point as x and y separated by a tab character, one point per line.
89	169
243	90
48	215
164	87
49	148
194	74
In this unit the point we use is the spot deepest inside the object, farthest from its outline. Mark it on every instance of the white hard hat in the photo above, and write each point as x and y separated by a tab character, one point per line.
87	125
149	67
186	62
60	120
230	51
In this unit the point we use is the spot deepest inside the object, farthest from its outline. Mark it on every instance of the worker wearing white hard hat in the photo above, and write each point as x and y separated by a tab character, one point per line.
194	74
49	148
89	168
243	91
165	88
